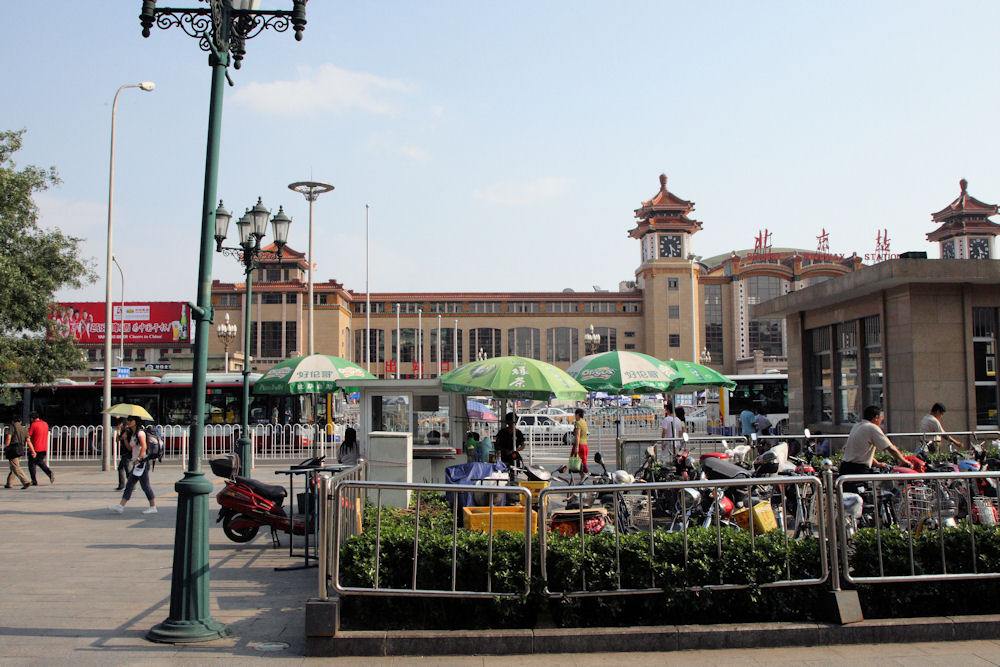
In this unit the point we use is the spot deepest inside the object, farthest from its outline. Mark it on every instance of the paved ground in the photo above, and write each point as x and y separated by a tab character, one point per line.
81	584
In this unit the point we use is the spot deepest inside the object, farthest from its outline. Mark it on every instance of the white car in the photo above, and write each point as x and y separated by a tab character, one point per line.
558	414
542	428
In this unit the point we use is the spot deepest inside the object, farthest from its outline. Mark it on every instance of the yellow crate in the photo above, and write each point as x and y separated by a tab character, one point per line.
504	518
763	518
535	488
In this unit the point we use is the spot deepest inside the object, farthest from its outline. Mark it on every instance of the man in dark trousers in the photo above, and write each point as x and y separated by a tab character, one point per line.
38	441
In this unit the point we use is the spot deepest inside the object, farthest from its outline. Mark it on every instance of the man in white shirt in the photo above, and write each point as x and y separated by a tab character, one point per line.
931	423
866	437
670	427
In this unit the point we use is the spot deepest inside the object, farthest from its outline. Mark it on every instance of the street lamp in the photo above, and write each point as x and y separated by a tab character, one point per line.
106	418
121	355
226	331
706	357
222	29
591	340
252	228
312	190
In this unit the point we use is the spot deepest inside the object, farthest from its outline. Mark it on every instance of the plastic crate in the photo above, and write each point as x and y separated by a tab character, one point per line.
504	518
535	488
763	518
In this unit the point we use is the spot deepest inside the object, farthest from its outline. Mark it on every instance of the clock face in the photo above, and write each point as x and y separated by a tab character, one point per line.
948	250
979	248
670	245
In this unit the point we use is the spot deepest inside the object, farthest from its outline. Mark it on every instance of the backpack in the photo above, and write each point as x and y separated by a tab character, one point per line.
154	443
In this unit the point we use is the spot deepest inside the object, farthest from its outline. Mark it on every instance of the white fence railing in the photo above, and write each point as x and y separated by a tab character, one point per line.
271	442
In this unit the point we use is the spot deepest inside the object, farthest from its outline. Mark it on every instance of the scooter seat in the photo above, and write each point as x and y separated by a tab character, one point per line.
714	455
272	492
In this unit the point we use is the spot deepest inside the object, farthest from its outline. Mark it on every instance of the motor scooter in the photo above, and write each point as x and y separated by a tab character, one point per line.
247	504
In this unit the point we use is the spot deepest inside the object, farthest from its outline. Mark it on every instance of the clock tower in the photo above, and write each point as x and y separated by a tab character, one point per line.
966	231
668	275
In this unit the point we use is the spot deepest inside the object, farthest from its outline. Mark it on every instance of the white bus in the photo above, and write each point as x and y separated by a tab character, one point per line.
723	407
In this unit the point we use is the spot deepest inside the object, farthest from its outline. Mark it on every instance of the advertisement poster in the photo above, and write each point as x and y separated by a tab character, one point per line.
145	323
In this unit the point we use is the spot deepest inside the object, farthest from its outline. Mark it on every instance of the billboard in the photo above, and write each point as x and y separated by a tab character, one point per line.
146	323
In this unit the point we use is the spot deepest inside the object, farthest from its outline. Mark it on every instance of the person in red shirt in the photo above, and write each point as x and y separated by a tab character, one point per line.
38	442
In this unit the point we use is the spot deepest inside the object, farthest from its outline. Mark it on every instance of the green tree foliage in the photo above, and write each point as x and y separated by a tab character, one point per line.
34	264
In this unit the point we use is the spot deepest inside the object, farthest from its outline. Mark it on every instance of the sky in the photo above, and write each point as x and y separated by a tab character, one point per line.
505	146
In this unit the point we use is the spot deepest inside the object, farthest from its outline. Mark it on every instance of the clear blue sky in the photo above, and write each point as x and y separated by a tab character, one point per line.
504	146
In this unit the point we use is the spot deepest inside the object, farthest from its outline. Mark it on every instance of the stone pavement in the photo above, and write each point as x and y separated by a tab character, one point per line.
83	585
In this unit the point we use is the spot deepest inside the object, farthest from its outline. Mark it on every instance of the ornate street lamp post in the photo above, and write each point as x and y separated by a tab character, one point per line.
591	340
706	357
221	29
226	331
252	227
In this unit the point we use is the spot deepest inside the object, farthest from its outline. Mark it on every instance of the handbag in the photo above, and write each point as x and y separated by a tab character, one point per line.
574	464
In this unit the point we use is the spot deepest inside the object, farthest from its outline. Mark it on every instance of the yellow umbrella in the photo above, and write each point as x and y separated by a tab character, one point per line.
128	410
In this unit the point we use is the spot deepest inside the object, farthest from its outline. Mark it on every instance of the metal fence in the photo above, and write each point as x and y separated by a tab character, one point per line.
271	442
901	547
787	518
331	530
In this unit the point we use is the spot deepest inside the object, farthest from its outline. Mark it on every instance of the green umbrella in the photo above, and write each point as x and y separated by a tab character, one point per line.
313	374
513	377
621	372
696	376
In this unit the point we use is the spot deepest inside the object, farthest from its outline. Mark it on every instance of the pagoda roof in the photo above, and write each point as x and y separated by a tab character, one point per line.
665	211
965	215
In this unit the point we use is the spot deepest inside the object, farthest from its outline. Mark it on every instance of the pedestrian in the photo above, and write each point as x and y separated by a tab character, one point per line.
746	424
580	447
348	452
13	449
38	440
761	424
122	437
670	430
510	440
140	470
931	424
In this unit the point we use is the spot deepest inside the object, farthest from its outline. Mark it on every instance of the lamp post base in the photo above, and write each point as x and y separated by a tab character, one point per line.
187	632
244	447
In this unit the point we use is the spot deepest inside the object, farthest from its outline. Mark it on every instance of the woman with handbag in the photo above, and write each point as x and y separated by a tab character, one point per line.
578	450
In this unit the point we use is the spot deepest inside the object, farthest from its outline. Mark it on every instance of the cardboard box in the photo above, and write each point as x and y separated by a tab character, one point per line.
504	518
763	518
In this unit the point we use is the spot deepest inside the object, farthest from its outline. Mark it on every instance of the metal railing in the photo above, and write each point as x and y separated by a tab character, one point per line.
803	486
342	524
272	442
330	545
903	506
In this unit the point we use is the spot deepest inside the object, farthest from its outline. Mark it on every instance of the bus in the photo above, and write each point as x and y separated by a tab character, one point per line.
767	390
166	398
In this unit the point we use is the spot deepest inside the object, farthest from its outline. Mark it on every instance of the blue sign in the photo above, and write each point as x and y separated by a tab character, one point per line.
124	371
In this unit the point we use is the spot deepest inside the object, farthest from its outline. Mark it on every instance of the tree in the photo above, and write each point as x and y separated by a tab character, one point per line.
34	264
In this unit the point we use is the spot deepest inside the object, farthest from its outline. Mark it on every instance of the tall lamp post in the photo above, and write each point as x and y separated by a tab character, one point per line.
252	228
226	331
222	29
106	418
312	190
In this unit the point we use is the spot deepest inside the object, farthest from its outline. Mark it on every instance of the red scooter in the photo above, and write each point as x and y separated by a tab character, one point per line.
247	504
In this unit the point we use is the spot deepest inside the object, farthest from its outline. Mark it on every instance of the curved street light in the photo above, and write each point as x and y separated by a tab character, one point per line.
147	86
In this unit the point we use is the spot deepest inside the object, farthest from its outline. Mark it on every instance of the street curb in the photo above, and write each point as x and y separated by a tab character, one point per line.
660	638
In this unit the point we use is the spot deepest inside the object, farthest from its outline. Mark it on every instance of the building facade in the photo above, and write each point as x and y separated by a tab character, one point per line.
678	306
902	334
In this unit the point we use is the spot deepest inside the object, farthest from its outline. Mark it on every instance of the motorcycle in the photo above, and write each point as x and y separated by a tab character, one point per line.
247	504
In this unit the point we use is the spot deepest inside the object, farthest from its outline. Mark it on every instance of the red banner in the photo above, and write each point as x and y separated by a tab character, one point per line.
152	323
445	366
390	366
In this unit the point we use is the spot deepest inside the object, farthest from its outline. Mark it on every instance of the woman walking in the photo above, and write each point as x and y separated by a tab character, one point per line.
140	470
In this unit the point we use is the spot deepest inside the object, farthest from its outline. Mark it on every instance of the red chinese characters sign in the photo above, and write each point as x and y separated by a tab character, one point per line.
153	323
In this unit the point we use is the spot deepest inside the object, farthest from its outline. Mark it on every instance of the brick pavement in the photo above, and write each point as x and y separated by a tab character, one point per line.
81	584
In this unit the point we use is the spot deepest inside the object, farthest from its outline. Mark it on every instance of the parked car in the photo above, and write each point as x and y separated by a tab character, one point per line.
543	428
559	414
